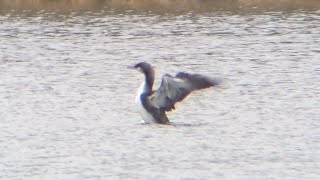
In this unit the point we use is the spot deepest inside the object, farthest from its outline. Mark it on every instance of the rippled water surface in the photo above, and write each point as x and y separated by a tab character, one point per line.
67	99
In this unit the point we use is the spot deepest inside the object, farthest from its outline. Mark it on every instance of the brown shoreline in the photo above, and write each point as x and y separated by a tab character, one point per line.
159	4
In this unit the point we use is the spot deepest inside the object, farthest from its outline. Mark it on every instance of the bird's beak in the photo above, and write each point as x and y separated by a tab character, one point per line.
134	68
131	67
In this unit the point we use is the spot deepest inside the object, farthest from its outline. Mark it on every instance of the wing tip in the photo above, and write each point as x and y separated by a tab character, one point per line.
203	81
215	81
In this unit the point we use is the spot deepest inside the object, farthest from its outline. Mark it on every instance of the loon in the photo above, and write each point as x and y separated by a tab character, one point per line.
154	104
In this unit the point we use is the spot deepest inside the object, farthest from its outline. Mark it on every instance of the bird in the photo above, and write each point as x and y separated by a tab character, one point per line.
153	104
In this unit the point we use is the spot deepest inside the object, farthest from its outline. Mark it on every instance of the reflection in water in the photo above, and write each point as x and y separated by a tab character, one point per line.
158	5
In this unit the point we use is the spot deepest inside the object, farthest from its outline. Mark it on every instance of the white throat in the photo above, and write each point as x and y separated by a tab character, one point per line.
140	91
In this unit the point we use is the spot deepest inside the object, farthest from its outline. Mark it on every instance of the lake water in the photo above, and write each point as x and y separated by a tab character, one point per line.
67	98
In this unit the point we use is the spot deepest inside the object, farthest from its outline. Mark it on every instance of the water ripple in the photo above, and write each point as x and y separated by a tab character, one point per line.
67	108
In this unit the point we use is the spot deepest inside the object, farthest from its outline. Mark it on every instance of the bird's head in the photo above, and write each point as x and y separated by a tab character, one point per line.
144	68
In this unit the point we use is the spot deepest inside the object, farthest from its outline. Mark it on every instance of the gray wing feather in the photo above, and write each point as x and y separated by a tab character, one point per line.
175	89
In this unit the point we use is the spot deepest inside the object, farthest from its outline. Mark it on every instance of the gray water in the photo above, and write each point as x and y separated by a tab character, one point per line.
67	98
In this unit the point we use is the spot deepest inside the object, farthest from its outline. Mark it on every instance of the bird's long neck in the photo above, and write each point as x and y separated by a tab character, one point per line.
149	80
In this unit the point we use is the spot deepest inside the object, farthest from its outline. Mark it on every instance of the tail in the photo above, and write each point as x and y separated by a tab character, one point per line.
163	119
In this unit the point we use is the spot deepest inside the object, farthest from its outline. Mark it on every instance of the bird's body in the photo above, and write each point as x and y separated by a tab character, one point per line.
153	105
146	116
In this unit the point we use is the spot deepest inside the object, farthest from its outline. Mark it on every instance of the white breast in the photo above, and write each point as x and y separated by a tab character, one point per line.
146	116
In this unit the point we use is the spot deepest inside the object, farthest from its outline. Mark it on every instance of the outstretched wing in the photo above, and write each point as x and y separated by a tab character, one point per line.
175	89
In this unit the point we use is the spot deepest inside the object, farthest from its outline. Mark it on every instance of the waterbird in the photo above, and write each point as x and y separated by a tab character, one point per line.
153	105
